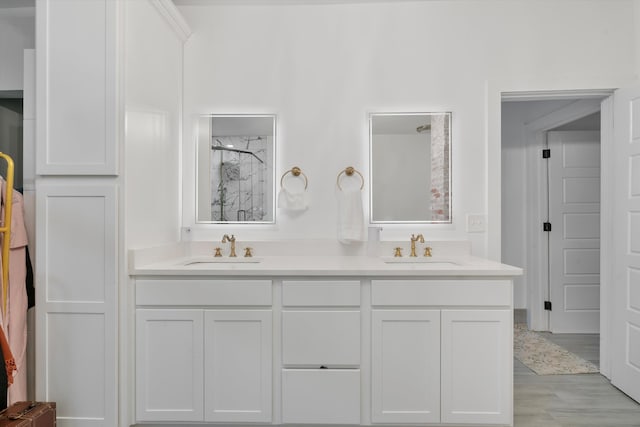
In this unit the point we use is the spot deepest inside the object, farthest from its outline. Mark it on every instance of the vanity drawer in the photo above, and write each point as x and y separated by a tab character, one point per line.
441	292
189	292
321	396
314	293
321	338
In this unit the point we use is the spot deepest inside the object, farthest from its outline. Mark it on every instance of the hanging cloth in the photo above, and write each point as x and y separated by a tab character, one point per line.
15	319
9	361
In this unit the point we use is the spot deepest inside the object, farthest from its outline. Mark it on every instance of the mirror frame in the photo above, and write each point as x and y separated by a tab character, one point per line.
272	174
371	167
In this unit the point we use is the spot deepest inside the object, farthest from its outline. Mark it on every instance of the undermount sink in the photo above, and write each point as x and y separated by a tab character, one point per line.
419	260
224	260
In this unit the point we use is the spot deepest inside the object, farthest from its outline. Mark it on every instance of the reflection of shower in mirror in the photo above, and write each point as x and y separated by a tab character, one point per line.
235	168
237	178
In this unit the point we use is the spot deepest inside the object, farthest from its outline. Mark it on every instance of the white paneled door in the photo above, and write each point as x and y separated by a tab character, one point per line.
625	354
574	239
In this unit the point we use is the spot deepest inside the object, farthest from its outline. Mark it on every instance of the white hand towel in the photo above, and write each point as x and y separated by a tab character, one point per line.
350	215
293	201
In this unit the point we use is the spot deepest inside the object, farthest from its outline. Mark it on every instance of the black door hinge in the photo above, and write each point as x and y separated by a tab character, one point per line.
546	226
547	305
546	153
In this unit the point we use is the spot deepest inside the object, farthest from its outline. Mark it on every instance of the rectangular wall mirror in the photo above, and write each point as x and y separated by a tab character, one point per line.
410	166
235	168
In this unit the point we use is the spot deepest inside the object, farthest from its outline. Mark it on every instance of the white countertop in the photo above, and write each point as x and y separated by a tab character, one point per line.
187	259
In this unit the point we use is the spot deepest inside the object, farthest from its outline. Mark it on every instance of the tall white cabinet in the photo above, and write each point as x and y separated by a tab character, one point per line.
80	259
76	209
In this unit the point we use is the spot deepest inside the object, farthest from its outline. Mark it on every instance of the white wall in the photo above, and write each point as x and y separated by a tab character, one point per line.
153	47
323	67
17	32
153	87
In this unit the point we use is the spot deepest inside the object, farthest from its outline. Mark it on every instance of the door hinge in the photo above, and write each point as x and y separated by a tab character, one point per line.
546	226
546	153
547	305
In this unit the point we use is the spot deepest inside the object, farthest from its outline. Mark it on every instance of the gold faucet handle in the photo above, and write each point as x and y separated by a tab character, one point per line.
398	252
427	251
218	252
247	252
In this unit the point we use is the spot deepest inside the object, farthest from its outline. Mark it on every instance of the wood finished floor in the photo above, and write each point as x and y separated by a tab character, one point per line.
571	400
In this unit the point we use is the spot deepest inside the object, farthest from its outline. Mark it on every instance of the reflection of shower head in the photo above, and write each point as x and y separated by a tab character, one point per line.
235	150
423	128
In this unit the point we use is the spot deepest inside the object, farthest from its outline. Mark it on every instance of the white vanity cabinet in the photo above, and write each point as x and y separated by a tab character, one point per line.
321	352
211	362
449	362
339	342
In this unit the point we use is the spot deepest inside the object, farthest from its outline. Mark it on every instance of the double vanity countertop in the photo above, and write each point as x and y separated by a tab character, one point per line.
450	259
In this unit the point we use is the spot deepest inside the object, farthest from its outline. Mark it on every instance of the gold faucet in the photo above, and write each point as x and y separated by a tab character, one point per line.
231	240
414	239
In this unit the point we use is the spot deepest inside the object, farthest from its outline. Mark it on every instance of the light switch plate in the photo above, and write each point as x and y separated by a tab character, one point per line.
476	223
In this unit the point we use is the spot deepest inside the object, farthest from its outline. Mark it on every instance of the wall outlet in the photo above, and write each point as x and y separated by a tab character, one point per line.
476	223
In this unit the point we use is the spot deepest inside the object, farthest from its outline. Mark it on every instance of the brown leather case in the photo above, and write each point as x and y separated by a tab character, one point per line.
29	414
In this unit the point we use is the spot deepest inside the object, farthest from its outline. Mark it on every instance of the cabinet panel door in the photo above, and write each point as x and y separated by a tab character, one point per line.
169	365
238	365
406	366
321	396
317	338
477	366
77	87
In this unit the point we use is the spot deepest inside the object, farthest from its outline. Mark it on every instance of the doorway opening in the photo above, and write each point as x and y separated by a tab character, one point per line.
540	193
11	133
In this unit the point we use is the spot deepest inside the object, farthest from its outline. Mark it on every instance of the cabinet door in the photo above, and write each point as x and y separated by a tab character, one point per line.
169	365
316	338
321	396
406	366
477	366
238	365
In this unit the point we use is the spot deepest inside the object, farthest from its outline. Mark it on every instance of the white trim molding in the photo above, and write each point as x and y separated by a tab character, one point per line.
556	95
174	18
